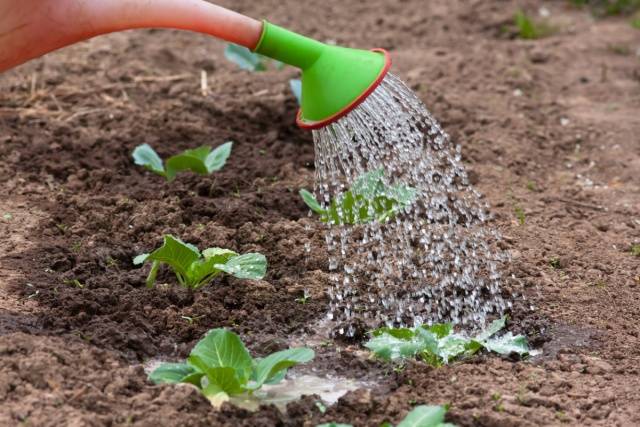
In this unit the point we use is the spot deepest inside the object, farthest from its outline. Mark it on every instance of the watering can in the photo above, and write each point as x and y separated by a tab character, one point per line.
335	80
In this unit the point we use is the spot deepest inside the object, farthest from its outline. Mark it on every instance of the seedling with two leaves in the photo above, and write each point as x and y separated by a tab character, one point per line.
369	199
438	344
220	366
194	269
420	416
247	60
202	160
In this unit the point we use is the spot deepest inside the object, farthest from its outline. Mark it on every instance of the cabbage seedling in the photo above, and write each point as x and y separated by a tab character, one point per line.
203	160
439	345
369	199
220	366
420	416
194	269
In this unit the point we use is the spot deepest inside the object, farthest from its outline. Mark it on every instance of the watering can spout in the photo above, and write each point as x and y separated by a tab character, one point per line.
334	79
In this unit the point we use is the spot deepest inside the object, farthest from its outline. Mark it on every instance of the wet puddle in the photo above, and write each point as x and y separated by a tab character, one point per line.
329	388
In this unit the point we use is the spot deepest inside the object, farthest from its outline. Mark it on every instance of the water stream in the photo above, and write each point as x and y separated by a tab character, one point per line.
437	259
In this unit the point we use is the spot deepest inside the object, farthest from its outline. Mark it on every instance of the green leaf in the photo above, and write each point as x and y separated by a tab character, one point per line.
225	379
402	333
296	88
493	328
451	347
223	349
140	259
345	209
218	157
388	347
440	330
278	362
311	201
334	425
244	58
171	373
146	156
473	347
176	253
368	199
277	378
369	184
507	344
248	266
429	340
193	160
219	255
194	379
424	416
402	194
200	160
201	272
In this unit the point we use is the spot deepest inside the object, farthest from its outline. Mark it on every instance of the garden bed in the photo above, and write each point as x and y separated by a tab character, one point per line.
548	130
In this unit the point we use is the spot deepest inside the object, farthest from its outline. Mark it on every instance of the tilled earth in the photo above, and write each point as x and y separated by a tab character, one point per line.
549	133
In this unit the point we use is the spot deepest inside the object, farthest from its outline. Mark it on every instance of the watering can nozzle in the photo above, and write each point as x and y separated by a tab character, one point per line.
335	79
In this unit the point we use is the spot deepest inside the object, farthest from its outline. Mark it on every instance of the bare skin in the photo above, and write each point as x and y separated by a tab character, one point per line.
31	28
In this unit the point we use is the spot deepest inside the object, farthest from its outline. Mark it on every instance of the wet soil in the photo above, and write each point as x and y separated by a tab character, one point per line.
549	132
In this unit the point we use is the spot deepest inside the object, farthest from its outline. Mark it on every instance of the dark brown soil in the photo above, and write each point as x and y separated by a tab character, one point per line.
548	127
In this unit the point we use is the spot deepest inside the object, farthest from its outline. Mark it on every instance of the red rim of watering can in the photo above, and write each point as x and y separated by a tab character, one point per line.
346	110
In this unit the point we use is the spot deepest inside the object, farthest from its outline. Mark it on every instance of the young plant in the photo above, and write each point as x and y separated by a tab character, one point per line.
530	29
369	199
202	160
420	416
194	269
220	366
247	60
438	344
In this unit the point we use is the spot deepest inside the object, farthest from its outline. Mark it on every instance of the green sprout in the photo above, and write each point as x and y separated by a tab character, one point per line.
635	250
438	345
520	215
304	298
530	29
202	160
369	199
220	366
420	416
194	269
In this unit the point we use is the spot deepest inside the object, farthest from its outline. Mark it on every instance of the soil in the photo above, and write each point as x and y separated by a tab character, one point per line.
548	128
